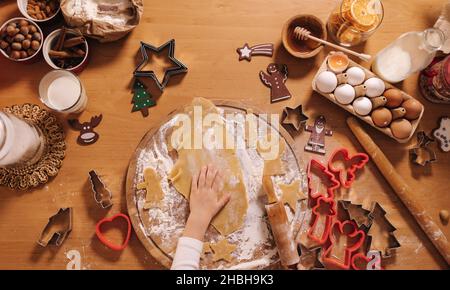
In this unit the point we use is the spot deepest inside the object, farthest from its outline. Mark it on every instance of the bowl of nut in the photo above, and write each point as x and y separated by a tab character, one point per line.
66	49
39	10
21	39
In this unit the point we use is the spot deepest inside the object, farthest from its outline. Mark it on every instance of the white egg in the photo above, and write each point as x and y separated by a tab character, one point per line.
375	87
344	94
362	106
355	75
326	82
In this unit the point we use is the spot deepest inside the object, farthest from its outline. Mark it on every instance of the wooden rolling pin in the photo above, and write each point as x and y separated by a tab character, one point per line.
282	234
402	190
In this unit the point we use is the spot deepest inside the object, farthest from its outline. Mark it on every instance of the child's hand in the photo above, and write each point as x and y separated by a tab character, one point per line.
204	201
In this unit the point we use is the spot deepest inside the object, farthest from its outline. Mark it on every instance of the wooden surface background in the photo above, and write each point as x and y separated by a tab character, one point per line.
207	34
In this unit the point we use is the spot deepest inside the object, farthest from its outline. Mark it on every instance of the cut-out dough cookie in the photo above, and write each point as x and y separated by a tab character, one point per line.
206	249
190	161
153	187
273	166
222	250
291	194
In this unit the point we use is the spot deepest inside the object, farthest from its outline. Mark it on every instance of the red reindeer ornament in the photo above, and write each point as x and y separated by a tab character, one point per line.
87	135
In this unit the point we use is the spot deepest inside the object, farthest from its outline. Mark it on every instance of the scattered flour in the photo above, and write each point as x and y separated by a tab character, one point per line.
91	9
255	246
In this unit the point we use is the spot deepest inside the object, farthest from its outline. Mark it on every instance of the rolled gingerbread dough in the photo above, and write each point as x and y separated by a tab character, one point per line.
190	161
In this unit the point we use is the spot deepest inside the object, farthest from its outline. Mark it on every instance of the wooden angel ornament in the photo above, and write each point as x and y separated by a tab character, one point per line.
275	80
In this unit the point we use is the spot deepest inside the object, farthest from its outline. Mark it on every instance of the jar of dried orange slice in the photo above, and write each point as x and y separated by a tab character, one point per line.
354	21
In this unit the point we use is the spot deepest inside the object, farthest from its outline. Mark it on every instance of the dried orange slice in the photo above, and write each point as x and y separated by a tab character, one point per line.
348	35
363	13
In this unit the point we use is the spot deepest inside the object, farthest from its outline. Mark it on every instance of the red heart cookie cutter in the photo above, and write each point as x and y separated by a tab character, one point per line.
354	163
108	243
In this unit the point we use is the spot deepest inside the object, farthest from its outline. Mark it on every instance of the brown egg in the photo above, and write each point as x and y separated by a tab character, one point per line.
413	109
394	98
401	128
381	117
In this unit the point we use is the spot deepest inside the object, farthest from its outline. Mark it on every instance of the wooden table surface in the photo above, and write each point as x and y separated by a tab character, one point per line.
207	34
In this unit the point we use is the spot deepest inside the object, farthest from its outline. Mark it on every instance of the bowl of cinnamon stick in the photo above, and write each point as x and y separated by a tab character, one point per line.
66	49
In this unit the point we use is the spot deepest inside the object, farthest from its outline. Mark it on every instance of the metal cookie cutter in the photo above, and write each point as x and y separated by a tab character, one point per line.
421	154
351	163
58	227
177	68
102	195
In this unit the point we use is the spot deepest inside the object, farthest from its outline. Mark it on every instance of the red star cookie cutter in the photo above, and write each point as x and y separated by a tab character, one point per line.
351	163
327	179
322	217
107	242
355	239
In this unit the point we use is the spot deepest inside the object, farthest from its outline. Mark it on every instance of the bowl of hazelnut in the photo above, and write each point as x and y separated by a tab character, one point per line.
21	39
39	10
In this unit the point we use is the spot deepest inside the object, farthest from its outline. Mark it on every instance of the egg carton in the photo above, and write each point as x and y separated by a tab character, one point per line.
367	118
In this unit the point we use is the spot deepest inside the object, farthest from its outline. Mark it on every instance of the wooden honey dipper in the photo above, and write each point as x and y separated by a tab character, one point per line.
303	34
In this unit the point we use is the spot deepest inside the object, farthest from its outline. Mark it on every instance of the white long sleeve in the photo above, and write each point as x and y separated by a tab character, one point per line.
187	255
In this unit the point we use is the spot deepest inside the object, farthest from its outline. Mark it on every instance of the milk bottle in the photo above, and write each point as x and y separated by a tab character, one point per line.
410	53
21	143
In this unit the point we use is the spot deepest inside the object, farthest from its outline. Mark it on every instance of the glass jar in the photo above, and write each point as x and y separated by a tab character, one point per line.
62	91
434	81
21	142
354	21
410	53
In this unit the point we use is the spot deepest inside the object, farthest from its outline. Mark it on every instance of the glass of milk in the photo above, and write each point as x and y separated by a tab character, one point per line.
410	53
21	142
62	91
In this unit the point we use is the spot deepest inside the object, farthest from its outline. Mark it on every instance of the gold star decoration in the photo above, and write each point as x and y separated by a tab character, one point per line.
291	193
222	250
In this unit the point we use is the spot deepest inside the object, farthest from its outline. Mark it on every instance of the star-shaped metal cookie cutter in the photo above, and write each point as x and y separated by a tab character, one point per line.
294	117
177	69
421	154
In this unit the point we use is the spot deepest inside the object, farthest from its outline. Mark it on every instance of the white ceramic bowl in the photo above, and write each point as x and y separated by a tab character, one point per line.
53	37
22	5
16	19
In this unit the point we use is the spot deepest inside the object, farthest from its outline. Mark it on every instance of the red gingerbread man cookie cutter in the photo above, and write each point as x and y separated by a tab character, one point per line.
325	209
352	164
355	239
108	243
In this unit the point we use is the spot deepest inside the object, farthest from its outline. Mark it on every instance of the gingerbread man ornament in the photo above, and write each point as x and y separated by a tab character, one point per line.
275	81
316	142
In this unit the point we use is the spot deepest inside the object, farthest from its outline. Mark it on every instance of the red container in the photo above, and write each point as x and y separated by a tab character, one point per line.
434	81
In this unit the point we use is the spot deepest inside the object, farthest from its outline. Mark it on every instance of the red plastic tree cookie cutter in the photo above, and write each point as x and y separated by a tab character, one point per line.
354	240
108	243
352	163
322	217
327	179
